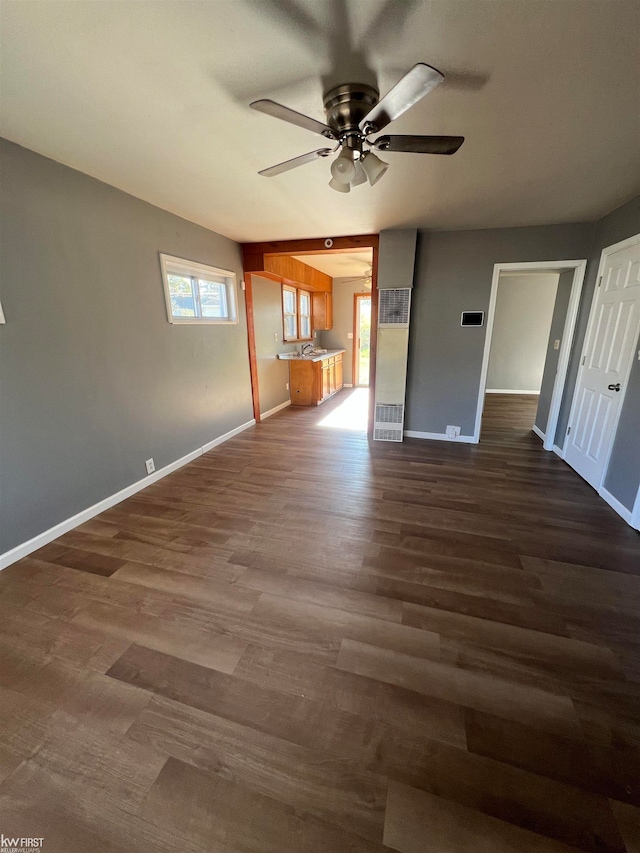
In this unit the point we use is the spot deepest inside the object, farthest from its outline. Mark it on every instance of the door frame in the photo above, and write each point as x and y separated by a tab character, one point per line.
354	354
579	268
631	516
253	255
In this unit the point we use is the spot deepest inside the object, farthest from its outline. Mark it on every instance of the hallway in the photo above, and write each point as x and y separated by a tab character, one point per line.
308	643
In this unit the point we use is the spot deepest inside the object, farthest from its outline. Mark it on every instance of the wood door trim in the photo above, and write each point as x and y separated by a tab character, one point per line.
251	337
373	342
253	255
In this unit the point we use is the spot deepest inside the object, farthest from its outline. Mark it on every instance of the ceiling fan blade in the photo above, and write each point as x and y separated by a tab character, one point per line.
419	144
272	108
295	162
408	91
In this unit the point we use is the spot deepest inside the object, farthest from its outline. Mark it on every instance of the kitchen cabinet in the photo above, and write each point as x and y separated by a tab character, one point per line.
322	311
314	380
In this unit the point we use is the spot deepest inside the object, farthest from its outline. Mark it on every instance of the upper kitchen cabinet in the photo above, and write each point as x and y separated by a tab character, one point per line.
322	311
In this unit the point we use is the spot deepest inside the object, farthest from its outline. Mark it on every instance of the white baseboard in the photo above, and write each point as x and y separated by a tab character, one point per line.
275	409
227	435
439	436
508	391
68	524
558	451
538	432
615	504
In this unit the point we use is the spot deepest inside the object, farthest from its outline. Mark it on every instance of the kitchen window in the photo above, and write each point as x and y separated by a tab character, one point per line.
304	310
296	314
196	293
290	312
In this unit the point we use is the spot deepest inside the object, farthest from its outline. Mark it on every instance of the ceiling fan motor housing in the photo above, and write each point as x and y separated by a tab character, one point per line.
345	107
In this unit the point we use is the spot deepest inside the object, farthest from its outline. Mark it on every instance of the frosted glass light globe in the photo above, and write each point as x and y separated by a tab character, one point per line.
343	168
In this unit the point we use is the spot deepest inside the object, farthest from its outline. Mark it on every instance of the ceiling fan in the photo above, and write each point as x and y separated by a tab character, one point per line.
365	278
353	113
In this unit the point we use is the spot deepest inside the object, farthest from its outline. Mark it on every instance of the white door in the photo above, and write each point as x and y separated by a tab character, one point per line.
612	339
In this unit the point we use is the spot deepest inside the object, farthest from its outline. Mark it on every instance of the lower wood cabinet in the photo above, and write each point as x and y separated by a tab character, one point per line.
312	382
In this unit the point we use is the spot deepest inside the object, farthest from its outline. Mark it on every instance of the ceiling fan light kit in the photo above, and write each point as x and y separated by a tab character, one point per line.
353	113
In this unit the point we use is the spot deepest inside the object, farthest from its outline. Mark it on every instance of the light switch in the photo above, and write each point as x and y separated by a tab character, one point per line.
275	336
556	344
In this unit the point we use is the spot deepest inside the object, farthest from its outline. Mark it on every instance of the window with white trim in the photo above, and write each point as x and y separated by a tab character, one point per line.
197	293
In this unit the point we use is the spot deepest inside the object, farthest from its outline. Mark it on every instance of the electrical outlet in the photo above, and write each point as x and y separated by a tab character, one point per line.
275	336
286	385
350	335
150	465
556	344
453	431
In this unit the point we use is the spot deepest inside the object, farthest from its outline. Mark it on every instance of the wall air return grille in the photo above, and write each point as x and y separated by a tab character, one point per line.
388	413
393	308
387	434
388	422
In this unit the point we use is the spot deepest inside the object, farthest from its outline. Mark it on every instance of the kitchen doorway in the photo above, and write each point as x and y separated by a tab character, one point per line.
361	339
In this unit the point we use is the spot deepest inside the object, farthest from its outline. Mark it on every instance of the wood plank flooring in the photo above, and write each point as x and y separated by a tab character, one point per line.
305	643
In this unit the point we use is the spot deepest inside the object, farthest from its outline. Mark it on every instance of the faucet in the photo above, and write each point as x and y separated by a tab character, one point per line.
304	347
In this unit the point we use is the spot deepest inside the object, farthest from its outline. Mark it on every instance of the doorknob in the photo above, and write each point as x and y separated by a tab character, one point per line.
614	387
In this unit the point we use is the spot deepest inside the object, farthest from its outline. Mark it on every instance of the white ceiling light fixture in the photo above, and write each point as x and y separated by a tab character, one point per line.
343	167
353	112
373	167
361	175
339	186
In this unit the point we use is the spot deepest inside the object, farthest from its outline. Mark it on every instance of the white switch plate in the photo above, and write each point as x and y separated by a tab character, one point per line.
453	431
350	335
556	344
275	336
287	386
150	465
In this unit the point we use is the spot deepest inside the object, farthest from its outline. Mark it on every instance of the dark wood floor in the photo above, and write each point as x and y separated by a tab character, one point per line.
301	643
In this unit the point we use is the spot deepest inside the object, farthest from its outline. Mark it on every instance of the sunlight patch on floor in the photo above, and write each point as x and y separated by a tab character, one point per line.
352	414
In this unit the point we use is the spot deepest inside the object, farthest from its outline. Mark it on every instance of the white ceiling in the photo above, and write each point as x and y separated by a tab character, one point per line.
153	97
341	264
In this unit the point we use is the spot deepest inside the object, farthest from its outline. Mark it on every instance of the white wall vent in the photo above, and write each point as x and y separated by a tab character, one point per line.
389	413
388	422
393	308
397	254
387	434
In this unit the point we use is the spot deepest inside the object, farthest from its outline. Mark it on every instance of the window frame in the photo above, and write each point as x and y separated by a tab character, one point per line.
297	291
171	265
287	288
306	293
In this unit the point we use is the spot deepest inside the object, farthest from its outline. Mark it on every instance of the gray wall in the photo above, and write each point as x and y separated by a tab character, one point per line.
524	308
453	274
93	378
337	338
396	256
273	375
560	308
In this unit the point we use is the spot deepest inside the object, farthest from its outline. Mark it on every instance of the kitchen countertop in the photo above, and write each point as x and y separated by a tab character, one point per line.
294	356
